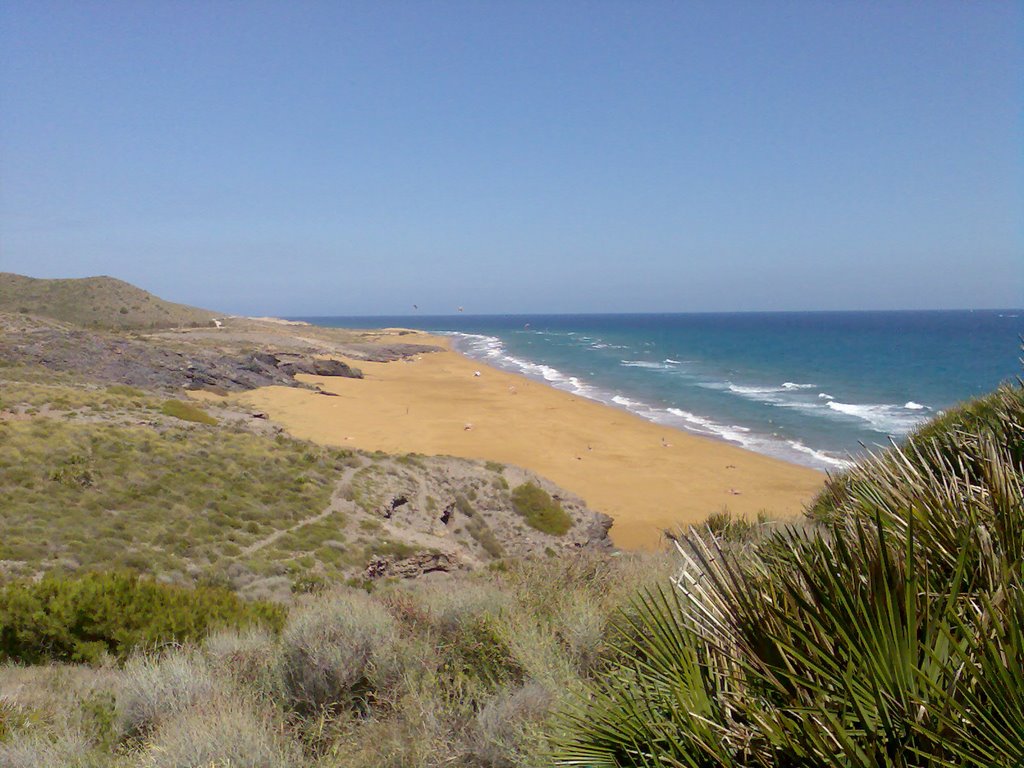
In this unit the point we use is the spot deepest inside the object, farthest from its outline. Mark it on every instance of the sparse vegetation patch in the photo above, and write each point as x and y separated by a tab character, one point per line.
540	510
89	495
186	412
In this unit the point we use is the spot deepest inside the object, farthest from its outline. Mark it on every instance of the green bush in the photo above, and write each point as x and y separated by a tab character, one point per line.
540	510
82	619
186	412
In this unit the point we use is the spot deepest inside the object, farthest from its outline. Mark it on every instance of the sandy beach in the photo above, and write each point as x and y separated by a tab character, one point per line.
648	478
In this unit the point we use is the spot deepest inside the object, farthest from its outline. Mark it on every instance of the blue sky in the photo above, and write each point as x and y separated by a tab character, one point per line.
306	158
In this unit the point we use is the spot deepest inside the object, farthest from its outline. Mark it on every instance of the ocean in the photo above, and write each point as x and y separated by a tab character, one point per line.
814	388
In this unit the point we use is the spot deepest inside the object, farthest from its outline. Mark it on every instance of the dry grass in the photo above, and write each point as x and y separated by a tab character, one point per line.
65	749
102	302
223	732
334	650
112	488
155	688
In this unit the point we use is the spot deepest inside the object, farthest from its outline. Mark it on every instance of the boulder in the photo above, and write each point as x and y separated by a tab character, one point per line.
412	567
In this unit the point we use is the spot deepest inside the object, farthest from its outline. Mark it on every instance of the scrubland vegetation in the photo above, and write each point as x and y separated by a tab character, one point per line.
101	302
466	671
108	478
884	630
175	502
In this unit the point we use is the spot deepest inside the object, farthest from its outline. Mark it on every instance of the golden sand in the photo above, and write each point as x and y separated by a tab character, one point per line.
647	477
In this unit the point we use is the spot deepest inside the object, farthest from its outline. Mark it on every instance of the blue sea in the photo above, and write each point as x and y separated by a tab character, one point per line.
815	388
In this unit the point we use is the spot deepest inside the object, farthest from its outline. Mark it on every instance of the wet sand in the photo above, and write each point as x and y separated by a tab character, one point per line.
648	478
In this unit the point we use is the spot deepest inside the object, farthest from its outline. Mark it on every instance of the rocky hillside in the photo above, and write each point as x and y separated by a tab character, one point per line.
241	354
95	302
100	478
106	463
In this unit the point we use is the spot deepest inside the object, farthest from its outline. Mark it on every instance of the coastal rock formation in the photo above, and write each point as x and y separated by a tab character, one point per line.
332	515
154	363
317	367
439	513
412	567
387	353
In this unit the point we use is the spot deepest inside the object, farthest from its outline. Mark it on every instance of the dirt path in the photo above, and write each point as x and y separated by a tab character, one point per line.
336	505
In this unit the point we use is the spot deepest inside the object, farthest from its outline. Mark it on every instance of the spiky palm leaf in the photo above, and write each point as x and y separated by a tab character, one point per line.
893	636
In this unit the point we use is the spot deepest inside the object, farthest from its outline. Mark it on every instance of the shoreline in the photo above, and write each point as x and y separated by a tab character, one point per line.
623	403
648	477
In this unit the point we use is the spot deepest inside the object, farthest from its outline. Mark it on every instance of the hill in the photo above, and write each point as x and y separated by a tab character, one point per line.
109	477
95	302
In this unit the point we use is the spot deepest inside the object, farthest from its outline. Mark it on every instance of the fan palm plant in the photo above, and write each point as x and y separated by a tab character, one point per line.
892	634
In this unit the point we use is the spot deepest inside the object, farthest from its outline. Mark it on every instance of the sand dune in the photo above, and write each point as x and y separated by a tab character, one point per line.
647	477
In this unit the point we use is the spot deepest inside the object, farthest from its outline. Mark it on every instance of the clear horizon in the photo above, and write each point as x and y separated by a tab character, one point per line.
517	158
708	312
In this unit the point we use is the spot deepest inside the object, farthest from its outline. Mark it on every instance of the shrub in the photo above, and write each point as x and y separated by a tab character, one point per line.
248	656
540	510
462	504
330	650
222	731
157	687
186	412
727	526
445	609
124	389
68	749
496	737
83	618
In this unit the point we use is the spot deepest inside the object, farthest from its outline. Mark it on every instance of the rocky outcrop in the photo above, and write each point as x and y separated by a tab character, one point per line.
387	353
412	567
424	505
317	367
593	533
118	359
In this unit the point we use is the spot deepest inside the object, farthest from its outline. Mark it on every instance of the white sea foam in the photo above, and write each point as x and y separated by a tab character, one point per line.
779	397
493	350
753	390
912	406
710	427
645	364
888	419
670	361
825	396
821	456
786	395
